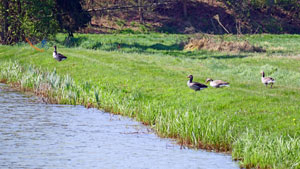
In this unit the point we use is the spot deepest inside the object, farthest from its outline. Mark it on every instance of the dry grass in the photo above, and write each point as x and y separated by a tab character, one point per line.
210	44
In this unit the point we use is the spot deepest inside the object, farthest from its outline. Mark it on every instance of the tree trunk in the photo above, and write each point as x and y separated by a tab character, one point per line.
140	4
19	31
70	34
184	8
2	25
270	4
5	20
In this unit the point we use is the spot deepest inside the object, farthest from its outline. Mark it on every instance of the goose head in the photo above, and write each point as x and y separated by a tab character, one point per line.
262	73
208	80
190	77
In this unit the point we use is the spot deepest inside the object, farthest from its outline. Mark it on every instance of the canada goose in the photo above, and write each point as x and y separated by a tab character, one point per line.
195	85
59	57
216	83
267	80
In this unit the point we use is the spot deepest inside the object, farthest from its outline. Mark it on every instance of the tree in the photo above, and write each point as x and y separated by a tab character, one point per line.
141	15
71	16
184	7
39	19
4	21
26	19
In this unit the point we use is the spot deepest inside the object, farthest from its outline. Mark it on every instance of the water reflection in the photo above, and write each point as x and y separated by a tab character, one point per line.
38	135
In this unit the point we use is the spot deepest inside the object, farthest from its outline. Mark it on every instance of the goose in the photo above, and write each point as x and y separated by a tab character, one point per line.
195	85
216	83
58	56
267	80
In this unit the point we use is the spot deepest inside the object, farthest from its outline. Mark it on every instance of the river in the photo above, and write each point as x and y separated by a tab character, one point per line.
34	134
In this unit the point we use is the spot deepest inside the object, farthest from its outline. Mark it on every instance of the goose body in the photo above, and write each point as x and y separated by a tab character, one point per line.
58	56
267	80
195	85
217	83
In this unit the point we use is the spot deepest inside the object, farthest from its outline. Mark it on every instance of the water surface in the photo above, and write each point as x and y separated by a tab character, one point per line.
38	135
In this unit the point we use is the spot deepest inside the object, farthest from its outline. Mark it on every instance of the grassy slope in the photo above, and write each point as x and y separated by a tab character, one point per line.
146	79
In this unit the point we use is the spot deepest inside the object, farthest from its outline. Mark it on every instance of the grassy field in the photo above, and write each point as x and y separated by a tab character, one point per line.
146	79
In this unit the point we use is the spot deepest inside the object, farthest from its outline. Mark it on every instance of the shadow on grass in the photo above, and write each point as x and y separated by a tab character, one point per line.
225	57
175	50
97	45
157	46
70	42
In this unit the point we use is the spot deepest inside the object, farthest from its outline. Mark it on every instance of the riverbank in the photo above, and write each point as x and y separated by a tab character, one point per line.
146	79
62	135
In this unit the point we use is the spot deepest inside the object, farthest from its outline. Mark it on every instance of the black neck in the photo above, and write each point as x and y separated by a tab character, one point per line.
191	79
263	74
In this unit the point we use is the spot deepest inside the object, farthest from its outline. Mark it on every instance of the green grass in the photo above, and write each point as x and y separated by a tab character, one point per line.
146	79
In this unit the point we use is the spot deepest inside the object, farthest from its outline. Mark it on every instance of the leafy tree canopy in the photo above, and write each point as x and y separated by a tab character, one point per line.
36	19
71	16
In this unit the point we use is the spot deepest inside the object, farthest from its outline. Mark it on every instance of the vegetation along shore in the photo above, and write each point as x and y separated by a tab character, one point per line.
144	76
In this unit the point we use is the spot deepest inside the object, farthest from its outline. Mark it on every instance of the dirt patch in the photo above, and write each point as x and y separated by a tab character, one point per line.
223	46
3	80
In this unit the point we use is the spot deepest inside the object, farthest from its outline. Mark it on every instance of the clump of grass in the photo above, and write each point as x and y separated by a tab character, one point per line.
211	44
252	146
52	87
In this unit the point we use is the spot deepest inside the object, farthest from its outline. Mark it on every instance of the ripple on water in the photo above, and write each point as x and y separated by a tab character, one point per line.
37	135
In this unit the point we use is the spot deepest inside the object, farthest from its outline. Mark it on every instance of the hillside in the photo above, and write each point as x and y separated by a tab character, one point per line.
201	17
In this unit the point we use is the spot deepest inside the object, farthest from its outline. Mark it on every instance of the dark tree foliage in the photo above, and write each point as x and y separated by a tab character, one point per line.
71	16
39	19
4	20
20	19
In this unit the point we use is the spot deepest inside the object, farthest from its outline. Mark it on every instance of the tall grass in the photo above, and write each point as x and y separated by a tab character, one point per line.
260	126
261	150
